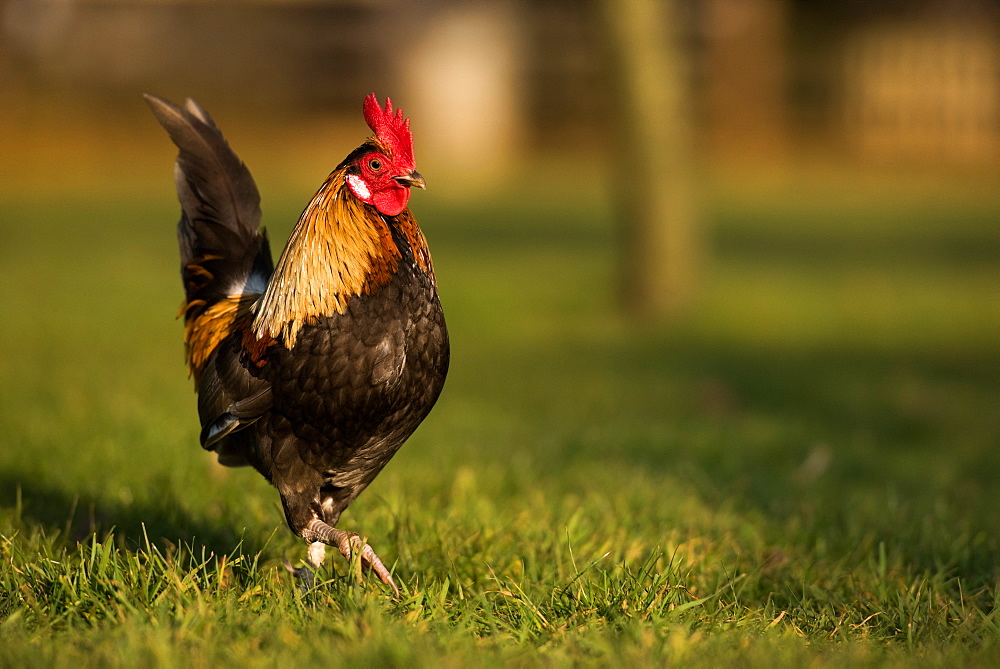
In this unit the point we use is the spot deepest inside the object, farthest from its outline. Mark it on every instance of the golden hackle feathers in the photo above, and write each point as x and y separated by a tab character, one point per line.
339	249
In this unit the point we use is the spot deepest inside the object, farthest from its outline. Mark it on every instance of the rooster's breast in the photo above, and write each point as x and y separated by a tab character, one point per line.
356	385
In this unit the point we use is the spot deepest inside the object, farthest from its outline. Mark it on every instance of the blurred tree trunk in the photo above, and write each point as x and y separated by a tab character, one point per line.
654	161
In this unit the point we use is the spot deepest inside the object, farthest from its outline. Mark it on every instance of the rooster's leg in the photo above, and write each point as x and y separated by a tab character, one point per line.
349	544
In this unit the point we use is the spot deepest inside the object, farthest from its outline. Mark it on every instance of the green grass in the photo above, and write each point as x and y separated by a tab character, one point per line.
803	471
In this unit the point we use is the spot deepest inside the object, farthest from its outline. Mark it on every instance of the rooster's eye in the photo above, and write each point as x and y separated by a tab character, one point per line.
375	164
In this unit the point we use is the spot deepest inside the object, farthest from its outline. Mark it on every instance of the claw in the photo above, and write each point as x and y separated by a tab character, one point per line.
304	575
349	544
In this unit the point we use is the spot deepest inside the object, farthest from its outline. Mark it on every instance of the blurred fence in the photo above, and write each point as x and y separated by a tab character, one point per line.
923	90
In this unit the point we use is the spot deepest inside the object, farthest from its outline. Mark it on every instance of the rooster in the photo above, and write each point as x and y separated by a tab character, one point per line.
314	371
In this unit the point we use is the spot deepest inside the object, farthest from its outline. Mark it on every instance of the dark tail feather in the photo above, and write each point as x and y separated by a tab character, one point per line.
223	250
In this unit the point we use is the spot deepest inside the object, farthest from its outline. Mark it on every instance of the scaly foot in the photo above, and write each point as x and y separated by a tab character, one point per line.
349	544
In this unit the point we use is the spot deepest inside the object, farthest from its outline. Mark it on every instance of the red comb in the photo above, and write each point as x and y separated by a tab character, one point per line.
391	129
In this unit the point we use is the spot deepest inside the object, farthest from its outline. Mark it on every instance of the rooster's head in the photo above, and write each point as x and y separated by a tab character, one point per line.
381	171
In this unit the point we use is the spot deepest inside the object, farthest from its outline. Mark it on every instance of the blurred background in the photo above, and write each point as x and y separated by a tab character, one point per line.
768	87
659	111
772	83
750	244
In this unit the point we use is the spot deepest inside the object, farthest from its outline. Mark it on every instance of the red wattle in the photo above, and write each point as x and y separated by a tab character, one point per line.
392	200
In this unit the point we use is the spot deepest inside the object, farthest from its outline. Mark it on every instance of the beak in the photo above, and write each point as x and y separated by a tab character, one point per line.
411	179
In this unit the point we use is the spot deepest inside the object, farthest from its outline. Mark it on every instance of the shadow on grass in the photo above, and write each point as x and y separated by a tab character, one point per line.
868	446
841	446
78	517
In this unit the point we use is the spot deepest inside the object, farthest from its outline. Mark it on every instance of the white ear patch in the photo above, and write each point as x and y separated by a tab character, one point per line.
358	187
